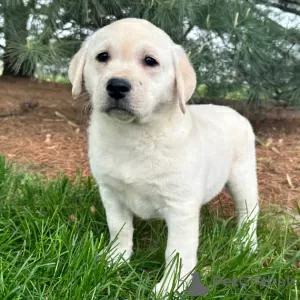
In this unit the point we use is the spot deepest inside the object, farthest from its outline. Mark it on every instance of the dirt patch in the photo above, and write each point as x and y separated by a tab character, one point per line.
41	125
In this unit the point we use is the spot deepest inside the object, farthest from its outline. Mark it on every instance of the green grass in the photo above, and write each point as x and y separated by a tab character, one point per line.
51	232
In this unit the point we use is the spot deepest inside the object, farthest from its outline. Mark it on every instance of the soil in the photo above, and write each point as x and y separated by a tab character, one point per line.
44	129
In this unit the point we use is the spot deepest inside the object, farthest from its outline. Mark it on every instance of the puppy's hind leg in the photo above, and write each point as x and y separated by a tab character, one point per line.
242	186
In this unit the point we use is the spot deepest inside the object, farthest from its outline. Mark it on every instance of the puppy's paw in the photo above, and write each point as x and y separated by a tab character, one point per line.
115	255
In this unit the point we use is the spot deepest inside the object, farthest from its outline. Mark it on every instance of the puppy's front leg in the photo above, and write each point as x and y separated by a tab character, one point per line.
119	220
183	231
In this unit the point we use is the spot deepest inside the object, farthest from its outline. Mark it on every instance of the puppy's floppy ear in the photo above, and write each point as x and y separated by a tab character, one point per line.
185	76
75	72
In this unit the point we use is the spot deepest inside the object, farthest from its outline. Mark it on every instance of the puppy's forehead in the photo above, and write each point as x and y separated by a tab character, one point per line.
132	31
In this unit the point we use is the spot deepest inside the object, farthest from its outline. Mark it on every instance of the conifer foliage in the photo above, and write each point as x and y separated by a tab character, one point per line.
236	46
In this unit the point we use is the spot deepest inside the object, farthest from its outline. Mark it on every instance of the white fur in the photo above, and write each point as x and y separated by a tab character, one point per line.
163	163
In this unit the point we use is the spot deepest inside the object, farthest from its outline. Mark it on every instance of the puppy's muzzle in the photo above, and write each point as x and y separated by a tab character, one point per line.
118	88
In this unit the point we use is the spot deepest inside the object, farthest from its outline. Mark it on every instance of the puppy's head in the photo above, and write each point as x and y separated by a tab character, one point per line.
131	69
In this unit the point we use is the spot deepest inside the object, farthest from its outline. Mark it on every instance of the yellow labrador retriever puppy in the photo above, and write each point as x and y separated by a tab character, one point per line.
151	155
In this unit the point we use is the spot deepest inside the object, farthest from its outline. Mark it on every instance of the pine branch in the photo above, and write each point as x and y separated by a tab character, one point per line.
287	2
188	31
287	9
284	6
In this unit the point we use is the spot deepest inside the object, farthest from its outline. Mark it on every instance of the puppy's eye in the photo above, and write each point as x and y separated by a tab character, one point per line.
150	61
103	57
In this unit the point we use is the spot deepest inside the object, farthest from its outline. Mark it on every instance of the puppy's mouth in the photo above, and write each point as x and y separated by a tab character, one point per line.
121	114
119	109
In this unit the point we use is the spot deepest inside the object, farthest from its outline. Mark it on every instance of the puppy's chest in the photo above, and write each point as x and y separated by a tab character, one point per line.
142	177
143	199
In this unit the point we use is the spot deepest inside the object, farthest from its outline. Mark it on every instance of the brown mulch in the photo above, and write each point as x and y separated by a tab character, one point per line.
41	125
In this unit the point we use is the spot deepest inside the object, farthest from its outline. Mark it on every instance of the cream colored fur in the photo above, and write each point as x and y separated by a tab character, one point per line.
160	162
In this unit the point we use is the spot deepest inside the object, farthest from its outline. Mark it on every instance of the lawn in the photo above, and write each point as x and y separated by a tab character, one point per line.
52	230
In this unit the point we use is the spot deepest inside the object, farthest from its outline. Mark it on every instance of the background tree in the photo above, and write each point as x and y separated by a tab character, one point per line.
238	49
29	36
290	6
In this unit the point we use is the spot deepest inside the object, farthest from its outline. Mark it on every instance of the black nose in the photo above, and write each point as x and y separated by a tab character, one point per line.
118	88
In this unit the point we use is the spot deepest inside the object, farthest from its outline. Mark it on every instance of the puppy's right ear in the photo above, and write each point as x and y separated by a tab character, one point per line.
75	72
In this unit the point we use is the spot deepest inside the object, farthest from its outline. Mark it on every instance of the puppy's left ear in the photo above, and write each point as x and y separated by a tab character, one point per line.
75	71
185	76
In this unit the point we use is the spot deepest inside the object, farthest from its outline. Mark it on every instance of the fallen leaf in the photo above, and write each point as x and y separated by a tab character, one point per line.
275	150
72	123
73	218
48	138
93	210
288	178
269	142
